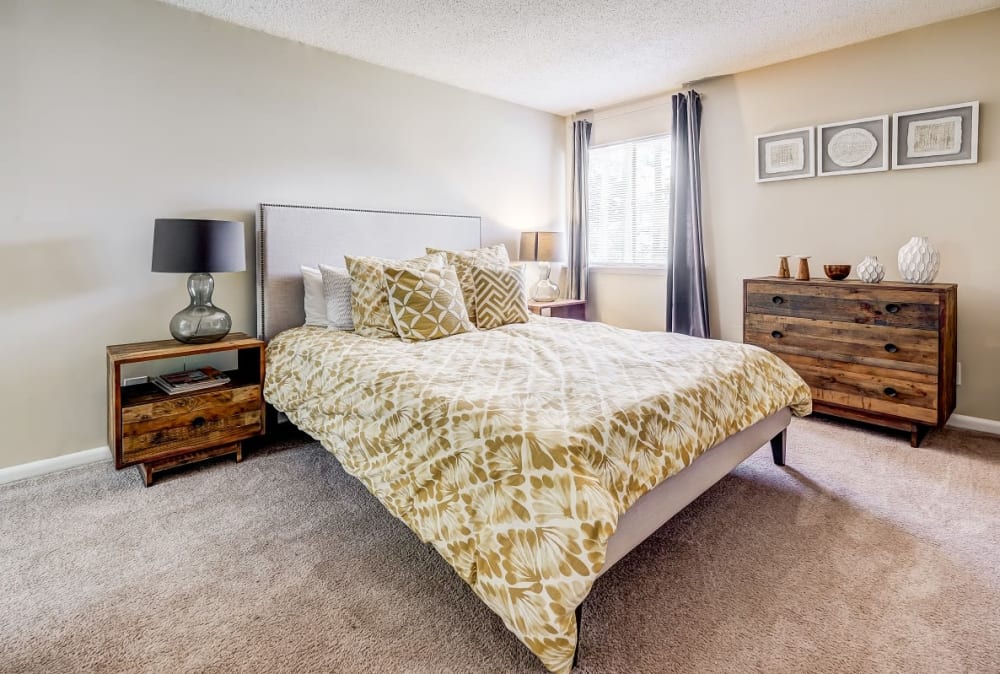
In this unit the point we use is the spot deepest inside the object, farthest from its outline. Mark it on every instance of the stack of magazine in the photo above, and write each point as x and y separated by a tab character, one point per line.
190	380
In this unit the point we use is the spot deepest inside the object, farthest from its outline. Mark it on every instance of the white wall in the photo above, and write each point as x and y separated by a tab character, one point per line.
115	112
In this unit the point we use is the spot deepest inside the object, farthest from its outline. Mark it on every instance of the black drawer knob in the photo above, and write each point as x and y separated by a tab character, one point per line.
198	422
777	299
776	334
892	308
890	391
891	348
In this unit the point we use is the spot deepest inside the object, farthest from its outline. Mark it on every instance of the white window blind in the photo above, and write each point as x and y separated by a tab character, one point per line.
628	203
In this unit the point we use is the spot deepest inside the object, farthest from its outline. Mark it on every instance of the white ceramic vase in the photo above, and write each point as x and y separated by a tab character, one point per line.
870	270
919	261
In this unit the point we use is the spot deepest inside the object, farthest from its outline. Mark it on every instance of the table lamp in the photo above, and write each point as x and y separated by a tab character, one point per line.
543	248
198	248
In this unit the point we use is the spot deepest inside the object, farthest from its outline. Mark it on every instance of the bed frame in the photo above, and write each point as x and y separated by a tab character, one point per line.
289	236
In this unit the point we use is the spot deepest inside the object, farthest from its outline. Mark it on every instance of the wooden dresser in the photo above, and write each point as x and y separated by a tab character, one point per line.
879	353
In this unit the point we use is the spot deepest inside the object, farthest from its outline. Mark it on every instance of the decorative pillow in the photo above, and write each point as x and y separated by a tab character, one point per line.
426	304
500	296
465	260
337	295
313	303
369	301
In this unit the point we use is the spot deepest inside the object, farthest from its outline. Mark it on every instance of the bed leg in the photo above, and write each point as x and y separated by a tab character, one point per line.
778	447
579	634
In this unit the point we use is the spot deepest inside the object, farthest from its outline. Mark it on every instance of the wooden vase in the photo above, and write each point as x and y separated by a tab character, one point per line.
803	273
783	271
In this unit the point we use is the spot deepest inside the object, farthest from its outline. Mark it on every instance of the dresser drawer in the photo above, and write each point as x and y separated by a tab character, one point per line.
190	422
849	304
893	348
910	395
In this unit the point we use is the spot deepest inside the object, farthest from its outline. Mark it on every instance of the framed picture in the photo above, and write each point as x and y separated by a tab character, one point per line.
936	136
785	155
856	146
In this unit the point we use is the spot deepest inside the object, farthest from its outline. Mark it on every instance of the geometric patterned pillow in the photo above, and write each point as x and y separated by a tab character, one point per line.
369	302
426	304
464	260
500	296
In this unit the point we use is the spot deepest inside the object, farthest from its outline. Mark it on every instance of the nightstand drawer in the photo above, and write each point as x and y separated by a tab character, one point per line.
560	309
190	422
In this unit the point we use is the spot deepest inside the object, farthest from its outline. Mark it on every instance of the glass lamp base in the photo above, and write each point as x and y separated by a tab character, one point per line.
201	322
200	325
545	291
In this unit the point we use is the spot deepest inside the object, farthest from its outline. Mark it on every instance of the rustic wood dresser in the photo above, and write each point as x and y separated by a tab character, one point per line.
879	353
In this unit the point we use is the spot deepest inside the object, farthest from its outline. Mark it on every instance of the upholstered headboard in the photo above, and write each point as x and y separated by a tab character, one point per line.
291	236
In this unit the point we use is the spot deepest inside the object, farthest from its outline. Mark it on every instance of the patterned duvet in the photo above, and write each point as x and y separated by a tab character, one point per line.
513	451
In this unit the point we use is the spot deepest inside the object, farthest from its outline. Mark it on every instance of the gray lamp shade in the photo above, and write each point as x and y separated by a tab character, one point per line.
198	246
541	247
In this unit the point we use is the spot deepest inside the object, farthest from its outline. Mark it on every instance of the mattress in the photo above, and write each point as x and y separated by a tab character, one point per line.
514	451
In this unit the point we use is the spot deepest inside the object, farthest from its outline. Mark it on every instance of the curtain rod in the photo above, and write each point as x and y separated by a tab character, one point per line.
598	115
663	104
637	139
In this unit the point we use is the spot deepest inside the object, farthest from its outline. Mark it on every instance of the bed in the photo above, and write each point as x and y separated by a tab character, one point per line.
533	456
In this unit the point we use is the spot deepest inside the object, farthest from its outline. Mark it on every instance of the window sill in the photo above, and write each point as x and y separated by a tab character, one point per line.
627	270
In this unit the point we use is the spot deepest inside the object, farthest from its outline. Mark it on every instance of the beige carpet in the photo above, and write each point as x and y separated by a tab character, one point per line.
863	555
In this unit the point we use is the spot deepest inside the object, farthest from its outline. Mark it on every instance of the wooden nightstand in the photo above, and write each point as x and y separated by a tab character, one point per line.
560	309
157	431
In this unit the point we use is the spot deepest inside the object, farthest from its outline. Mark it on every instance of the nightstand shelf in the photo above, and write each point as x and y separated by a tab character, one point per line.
156	431
560	309
142	394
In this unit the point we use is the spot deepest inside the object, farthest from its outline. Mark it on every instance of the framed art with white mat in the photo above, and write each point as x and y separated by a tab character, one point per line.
940	136
855	146
785	155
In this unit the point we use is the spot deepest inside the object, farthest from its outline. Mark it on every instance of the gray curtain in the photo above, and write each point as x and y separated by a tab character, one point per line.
576	237
687	293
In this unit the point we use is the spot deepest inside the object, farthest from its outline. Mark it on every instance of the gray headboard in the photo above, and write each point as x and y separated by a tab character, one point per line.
291	236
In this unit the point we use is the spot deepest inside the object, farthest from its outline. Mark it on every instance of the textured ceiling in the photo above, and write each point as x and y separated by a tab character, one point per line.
568	55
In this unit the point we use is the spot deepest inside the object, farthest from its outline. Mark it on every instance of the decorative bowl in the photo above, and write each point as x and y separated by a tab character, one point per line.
836	272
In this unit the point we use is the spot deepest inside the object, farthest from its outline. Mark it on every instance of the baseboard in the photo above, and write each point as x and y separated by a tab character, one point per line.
35	468
974	424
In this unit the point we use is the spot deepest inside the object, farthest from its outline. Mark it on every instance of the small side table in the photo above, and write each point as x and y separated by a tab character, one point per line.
156	431
560	309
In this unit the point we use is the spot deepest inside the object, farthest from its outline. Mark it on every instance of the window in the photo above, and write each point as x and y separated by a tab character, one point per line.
628	203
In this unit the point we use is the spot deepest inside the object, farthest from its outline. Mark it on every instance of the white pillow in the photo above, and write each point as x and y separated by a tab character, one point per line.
337	294
315	305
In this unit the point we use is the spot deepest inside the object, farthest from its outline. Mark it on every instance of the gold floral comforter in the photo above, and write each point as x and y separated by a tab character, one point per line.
513	451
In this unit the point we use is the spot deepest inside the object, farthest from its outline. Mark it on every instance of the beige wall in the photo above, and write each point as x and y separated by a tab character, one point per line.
843	218
115	112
